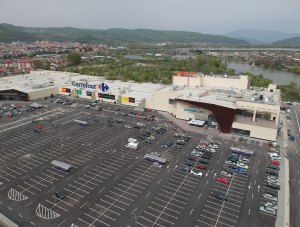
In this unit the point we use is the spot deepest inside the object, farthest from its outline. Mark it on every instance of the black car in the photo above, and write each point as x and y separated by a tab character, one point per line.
100	109
206	157
203	161
207	153
192	158
136	126
60	195
271	192
232	166
147	141
177	147
273	186
185	168
141	137
220	196
272	172
189	163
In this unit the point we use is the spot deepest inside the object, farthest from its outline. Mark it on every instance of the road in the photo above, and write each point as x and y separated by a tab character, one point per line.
294	158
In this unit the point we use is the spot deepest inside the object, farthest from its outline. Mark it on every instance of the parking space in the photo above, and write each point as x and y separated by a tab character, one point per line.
113	203
109	181
226	199
170	201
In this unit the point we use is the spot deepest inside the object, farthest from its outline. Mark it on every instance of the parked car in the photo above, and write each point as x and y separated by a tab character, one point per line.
202	167
241	171
273	167
273	186
225	174
185	168
272	172
268	210
242	165
244	160
196	153
270	197
271	204
223	180
275	162
60	195
220	196
196	172
229	162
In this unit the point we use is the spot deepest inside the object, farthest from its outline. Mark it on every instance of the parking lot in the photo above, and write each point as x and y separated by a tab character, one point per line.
111	185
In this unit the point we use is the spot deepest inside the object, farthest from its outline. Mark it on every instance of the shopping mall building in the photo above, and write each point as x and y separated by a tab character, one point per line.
228	102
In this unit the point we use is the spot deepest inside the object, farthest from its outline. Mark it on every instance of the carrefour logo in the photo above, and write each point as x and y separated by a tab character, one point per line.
102	86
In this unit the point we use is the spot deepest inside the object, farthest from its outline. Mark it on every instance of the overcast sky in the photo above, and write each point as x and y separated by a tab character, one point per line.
205	16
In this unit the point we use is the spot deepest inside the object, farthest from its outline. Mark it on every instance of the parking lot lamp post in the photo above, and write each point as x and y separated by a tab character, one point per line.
53	191
135	217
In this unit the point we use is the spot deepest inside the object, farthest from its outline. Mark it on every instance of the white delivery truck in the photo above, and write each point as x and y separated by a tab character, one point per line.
132	145
132	140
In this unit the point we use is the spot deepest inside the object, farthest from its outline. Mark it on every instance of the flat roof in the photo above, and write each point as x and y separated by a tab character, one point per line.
38	80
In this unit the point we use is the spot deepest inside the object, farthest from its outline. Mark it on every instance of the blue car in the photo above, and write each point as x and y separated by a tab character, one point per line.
241	171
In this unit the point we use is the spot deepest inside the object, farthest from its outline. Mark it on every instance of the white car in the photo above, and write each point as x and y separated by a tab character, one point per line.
276	158
244	160
128	126
288	121
272	178
276	182
155	154
242	165
268	210
270	197
212	150
225	174
196	172
215	146
229	162
196	153
157	165
271	204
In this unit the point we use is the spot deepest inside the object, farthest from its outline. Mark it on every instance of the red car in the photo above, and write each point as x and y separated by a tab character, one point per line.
202	167
223	180
275	162
39	126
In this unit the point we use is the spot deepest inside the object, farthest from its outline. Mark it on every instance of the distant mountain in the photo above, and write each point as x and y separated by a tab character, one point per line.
9	33
260	35
292	42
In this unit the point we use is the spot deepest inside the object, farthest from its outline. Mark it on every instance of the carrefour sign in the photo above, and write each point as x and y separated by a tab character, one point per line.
102	86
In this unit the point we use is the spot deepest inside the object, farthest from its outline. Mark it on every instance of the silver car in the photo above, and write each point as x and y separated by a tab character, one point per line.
268	210
225	174
271	204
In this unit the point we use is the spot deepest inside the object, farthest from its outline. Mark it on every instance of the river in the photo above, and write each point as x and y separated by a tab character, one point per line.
278	77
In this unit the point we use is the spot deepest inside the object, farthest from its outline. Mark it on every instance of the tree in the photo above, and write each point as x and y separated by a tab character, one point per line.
39	64
74	58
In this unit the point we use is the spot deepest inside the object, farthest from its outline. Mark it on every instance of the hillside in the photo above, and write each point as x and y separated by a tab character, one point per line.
292	42
262	36
9	33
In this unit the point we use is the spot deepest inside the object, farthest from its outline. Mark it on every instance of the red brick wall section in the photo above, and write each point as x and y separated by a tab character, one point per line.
223	115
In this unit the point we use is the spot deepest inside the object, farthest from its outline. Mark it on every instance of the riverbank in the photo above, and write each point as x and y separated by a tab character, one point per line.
277	76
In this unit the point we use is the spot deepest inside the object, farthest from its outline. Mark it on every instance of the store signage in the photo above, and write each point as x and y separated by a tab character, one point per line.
102	86
192	109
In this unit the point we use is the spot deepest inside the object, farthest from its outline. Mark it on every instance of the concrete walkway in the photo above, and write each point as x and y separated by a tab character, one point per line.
283	213
6	222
